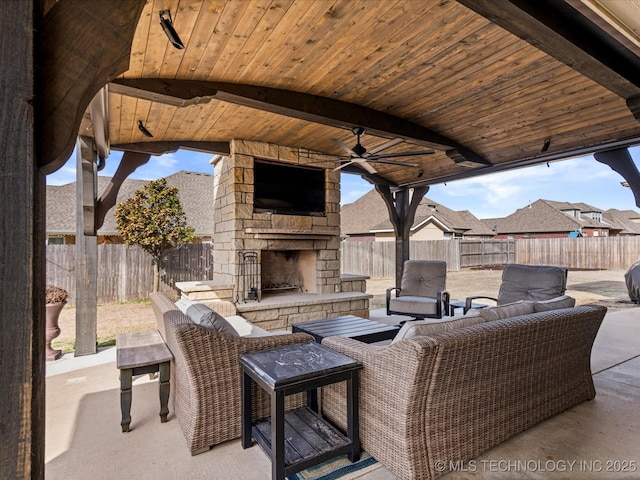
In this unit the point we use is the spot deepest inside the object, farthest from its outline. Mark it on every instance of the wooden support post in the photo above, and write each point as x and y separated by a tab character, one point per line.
22	254
402	208
86	249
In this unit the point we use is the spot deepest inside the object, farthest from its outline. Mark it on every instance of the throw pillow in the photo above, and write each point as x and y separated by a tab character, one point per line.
506	311
564	301
202	315
418	328
183	303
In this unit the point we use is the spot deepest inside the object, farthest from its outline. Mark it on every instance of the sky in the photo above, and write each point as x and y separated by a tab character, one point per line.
488	196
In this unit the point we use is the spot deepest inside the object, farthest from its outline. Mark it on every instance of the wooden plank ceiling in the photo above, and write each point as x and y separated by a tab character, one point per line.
437	64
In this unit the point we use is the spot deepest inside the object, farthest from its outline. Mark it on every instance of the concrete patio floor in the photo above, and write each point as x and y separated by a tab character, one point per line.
594	440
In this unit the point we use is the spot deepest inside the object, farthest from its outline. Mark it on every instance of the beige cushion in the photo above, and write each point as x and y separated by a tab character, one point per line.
411	305
435	325
506	311
247	329
563	301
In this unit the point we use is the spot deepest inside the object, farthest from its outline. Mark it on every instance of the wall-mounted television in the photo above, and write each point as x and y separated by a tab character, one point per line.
288	189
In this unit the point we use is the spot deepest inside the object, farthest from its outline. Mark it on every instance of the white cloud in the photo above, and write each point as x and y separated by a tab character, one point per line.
66	174
352	187
497	195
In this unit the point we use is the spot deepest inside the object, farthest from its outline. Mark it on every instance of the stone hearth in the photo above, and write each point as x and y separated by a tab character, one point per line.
279	311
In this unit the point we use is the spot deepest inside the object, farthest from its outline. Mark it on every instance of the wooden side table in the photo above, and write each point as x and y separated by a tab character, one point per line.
138	353
293	369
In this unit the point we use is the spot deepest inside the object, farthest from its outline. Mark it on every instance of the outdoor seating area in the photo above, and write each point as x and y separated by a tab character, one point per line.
83	439
287	97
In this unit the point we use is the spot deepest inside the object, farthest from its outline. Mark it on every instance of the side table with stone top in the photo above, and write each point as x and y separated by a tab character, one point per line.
288	370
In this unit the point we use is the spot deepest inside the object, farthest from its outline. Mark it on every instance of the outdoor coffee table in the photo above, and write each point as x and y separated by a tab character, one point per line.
361	329
297	439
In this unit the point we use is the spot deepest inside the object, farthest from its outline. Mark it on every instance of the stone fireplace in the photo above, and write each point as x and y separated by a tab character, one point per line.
275	250
296	252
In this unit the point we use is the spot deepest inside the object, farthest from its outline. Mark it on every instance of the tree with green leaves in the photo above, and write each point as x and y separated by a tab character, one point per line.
154	220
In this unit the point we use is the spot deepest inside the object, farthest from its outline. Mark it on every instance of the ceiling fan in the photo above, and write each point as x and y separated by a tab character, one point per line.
363	157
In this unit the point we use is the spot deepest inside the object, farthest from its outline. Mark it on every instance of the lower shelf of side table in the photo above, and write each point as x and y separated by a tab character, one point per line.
309	439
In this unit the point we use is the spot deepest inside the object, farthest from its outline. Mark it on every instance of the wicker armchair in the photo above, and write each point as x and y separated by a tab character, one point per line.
451	396
206	376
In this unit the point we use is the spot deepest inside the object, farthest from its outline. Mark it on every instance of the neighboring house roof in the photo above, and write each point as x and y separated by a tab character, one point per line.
544	216
627	221
369	214
361	216
195	190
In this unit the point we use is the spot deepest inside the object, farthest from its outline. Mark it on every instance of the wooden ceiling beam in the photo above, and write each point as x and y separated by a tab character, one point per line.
529	162
559	30
80	46
311	108
160	148
372	178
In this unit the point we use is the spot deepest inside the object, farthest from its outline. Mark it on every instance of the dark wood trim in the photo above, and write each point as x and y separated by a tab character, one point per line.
372	178
160	148
634	106
528	162
99	113
87	176
129	163
311	108
558	29
86	249
402	207
22	252
81	46
620	161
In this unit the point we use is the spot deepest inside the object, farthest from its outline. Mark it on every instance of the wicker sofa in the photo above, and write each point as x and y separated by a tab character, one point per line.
206	376
451	396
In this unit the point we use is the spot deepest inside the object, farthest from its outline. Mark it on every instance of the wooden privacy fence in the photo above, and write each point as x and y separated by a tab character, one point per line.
377	259
593	253
485	253
126	274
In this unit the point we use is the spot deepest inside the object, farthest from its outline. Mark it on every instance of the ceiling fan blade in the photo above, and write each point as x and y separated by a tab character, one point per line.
342	165
384	146
344	147
401	154
392	162
367	167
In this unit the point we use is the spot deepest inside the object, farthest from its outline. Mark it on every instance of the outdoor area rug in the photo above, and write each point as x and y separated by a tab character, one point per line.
338	468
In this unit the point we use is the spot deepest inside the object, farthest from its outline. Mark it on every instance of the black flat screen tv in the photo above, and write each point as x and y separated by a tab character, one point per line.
288	189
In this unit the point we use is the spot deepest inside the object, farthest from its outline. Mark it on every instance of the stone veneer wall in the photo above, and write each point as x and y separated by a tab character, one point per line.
283	315
239	229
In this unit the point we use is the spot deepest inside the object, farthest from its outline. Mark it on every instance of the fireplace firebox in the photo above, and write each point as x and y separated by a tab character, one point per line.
288	270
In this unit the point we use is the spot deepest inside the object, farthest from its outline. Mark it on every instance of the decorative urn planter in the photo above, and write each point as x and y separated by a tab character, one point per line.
56	300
